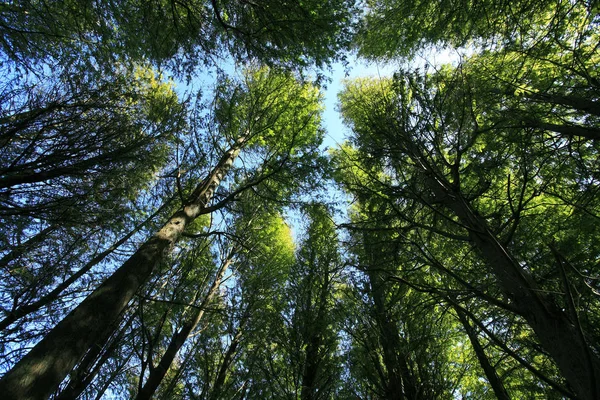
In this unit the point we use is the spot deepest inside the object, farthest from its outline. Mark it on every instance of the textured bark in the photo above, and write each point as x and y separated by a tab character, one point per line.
158	373
42	370
488	369
552	326
49	297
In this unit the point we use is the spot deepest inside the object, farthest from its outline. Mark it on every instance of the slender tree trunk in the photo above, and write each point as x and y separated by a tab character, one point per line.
311	368
178	339
501	344
227	360
313	341
488	369
20	249
552	326
400	383
49	297
42	370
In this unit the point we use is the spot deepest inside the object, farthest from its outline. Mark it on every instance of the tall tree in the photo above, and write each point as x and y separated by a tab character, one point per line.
271	108
423	128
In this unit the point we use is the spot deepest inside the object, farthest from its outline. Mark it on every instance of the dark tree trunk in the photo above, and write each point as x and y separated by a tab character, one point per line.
42	370
227	360
565	129
400	384
488	369
552	326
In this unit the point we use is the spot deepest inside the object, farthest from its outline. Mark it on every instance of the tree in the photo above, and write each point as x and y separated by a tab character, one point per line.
397	28
425	131
77	154
256	115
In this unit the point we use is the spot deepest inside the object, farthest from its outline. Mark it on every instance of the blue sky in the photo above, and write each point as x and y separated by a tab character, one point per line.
331	118
336	131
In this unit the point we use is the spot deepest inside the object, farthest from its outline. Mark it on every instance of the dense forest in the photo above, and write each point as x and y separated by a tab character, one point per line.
169	240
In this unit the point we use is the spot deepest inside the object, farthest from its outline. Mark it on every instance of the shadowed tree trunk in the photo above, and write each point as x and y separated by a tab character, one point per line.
488	368
42	370
554	329
400	383
228	359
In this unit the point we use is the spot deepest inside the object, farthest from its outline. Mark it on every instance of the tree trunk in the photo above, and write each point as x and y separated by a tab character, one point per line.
552	326
313	341
49	297
400	383
488	369
178	339
231	351
42	370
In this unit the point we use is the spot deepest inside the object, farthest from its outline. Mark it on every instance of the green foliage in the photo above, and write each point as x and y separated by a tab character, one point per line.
416	129
396	28
178	34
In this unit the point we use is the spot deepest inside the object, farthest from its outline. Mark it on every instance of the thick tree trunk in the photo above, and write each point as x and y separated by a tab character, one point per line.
42	370
552	326
178	339
488	369
49	297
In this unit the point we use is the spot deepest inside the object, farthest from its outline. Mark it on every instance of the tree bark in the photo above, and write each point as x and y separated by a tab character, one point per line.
552	326
488	369
573	102
42	370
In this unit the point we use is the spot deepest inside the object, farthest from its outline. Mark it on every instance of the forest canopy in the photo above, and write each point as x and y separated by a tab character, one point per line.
172	226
